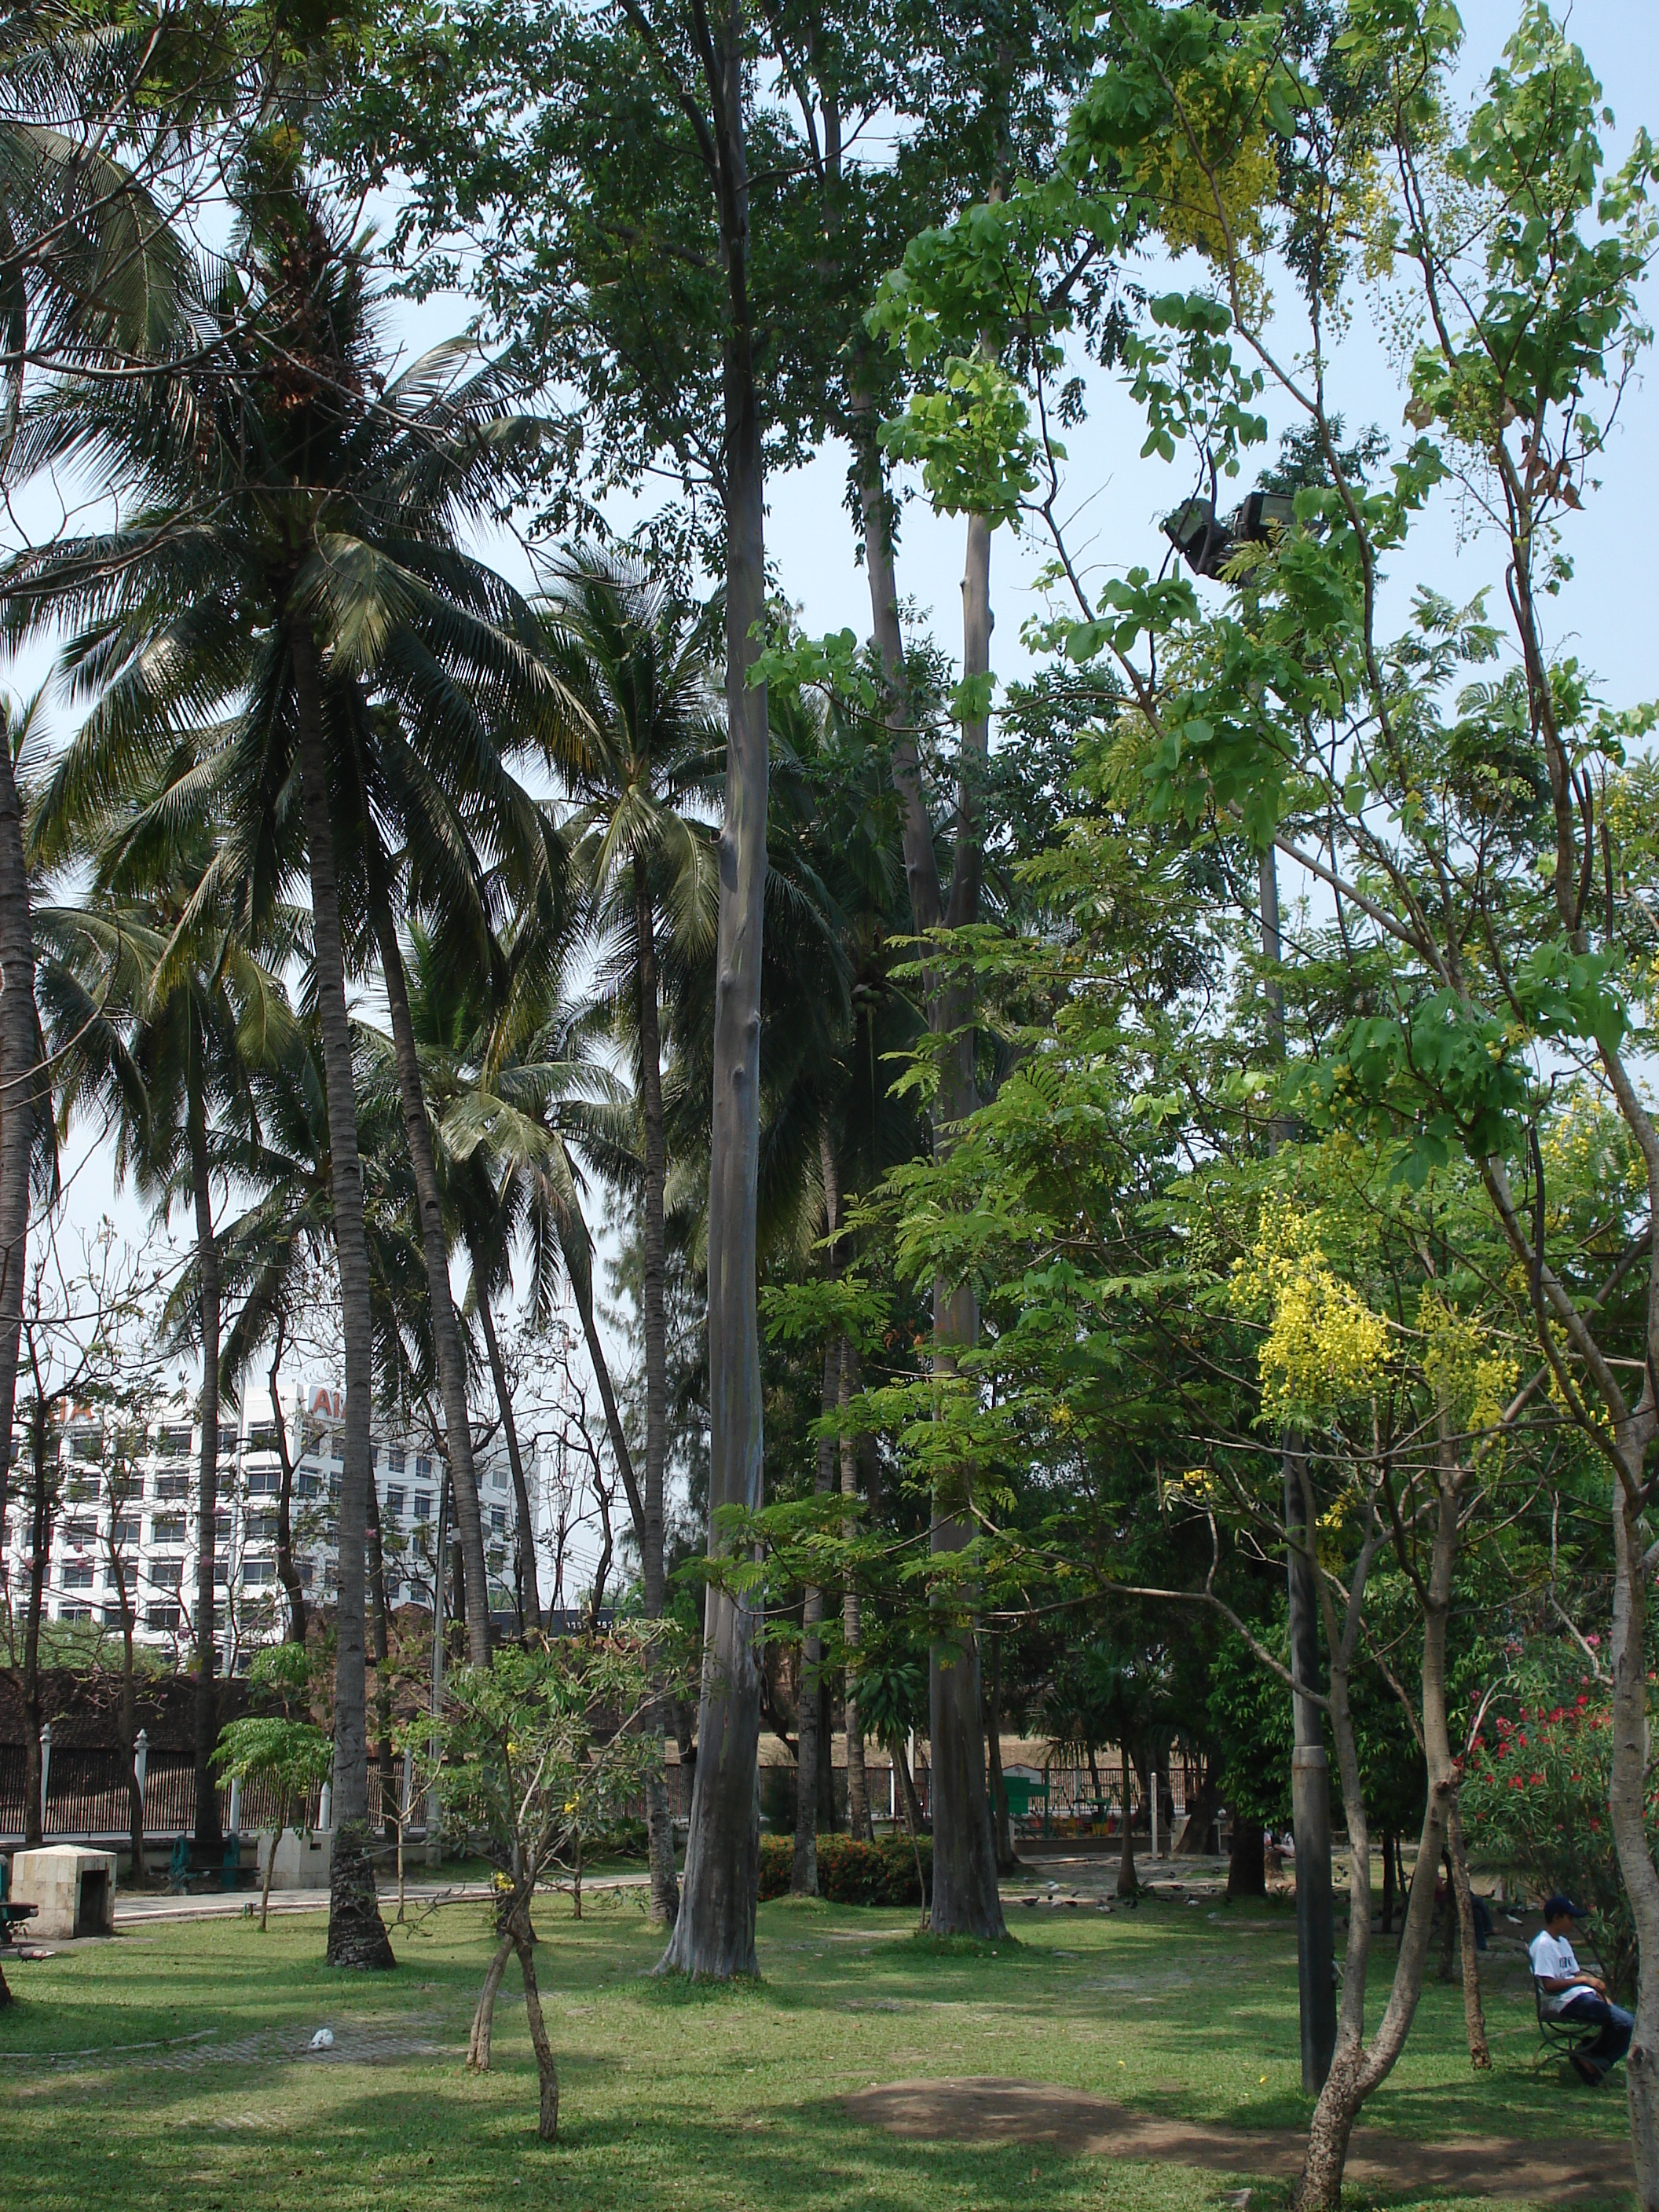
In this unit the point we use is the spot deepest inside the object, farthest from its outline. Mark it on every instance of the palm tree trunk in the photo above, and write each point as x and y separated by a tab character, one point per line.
42	1446
804	1870
659	1819
385	1761
210	1844
445	1329
356	1934
287	1573
858	1785
531	1602
19	1050
714	1934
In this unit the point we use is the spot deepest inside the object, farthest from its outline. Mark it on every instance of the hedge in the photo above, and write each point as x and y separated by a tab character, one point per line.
850	1872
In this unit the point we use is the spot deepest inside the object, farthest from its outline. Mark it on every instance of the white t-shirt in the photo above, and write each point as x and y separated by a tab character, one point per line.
1553	1959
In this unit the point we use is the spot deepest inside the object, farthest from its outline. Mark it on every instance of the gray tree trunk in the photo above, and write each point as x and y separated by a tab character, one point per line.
287	1573
804	1870
209	1849
357	1935
19	1078
435	1243
528	1571
859	1822
715	1933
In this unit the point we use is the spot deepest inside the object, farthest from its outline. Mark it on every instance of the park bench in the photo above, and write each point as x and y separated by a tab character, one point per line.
1559	2037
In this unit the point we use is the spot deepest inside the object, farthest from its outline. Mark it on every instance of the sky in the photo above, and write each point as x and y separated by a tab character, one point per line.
1114	500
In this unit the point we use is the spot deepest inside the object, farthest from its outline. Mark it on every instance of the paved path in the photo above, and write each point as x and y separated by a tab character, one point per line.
136	1908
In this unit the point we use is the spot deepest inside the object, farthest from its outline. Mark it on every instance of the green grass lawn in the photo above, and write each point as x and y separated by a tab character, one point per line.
676	2097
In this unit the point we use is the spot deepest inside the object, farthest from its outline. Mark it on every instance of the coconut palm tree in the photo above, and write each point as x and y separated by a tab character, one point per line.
325	567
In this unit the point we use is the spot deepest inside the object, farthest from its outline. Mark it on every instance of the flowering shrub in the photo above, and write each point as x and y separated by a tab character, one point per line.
1535	1792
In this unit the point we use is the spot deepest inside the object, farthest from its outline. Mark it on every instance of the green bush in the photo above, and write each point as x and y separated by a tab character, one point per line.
850	1873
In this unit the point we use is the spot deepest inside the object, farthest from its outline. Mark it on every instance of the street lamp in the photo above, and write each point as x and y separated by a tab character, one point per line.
1206	544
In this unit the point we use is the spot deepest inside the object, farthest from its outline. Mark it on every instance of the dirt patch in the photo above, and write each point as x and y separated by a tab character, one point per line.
1559	2171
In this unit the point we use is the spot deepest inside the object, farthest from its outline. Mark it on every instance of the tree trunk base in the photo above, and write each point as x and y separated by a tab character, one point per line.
659	1841
356	1934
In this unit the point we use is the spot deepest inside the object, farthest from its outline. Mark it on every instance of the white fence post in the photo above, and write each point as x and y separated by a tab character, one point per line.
46	1772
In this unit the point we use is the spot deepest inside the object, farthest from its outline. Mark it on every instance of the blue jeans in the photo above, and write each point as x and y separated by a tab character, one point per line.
1614	2022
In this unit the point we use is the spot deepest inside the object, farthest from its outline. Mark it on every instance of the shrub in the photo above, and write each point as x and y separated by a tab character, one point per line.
850	1872
1535	1794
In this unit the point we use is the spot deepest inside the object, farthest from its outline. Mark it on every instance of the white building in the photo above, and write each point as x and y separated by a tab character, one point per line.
130	1496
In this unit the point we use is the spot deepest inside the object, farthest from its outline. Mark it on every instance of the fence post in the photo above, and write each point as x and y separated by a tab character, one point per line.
45	1773
141	1761
326	1807
235	1821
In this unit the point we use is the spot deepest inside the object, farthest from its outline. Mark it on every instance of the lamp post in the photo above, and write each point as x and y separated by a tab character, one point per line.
46	1774
1206	544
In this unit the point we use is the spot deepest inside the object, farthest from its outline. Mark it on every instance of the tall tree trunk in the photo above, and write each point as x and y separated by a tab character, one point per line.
41	1442
1387	1881
1247	1859
209	1848
715	1933
483	2016
654	1320
965	1896
19	1081
384	1759
1129	1883
356	1934
1002	1820
528	1571
287	1573
859	1823
435	1243
1474	2020
1628	1784
803	1869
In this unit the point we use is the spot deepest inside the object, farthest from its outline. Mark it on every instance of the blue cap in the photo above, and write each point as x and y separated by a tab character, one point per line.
1563	1908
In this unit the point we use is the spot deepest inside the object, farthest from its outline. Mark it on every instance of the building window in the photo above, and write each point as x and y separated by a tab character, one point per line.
337	1445
78	1531
424	1505
80	1488
173	1485
310	1485
308	1574
422	1468
167	1529
396	1498
394	1460
498	1478
265	1484
498	1519
124	1532
227	1442
163	1617
112	1615
262	1528
175	1440
74	1613
87	1443
263	1436
76	1577
221	1570
167	1574
258	1574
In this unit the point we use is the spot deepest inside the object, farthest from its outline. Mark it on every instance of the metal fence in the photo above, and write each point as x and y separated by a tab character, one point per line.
87	1795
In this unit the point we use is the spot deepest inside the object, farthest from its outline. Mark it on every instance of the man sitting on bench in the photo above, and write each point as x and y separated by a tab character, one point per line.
1571	1994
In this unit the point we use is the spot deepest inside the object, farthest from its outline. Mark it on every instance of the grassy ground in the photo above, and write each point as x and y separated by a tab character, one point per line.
678	2097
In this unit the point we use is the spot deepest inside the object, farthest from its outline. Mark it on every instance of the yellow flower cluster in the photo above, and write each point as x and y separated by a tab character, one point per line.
1324	1346
1471	1378
1212	174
